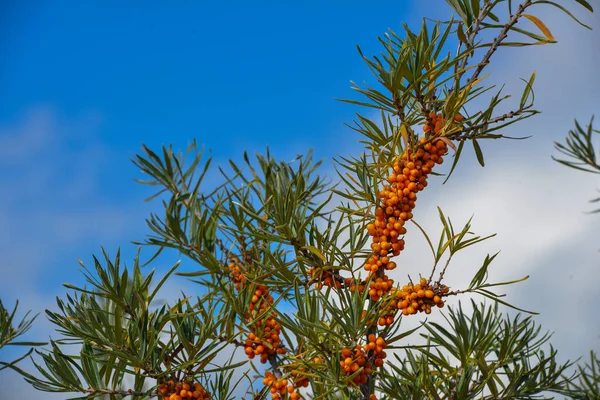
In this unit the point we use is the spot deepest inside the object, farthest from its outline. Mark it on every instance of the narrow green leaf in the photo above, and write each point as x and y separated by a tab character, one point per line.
585	4
566	11
478	152
528	90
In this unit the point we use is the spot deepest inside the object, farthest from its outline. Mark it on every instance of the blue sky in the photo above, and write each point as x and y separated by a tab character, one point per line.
84	84
100	79
234	75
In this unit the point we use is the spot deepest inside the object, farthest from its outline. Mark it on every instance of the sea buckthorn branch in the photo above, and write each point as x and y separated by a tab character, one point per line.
397	199
411	61
474	25
135	347
264	339
503	34
460	67
263	329
474	29
170	357
399	107
324	260
468	132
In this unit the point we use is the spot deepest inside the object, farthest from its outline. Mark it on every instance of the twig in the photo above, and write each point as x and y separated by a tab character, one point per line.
224	338
461	135
129	392
444	270
367	388
457	292
275	365
498	39
174	354
463	63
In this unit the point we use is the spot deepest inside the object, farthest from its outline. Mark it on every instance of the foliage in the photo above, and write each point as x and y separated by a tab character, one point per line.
579	147
588	385
292	267
486	356
9	332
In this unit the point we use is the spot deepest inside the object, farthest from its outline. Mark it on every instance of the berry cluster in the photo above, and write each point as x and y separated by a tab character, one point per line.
297	372
237	275
324	277
377	346
436	122
420	297
172	390
355	362
264	338
397	199
378	287
280	387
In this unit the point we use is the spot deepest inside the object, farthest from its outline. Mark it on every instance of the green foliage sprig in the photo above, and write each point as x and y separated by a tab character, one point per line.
9	332
581	150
